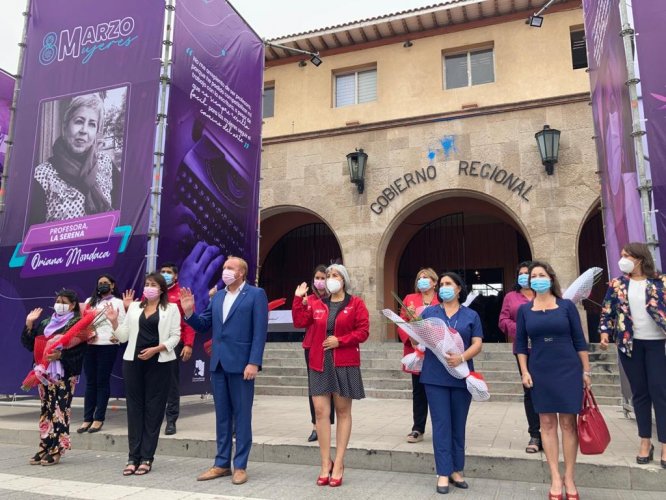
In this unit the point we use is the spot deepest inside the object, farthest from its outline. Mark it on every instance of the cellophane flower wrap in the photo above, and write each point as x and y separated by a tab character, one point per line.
433	334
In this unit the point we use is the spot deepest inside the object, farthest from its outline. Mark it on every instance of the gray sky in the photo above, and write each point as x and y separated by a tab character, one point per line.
269	18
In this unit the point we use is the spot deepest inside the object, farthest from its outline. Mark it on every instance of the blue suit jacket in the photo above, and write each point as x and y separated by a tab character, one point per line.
240	340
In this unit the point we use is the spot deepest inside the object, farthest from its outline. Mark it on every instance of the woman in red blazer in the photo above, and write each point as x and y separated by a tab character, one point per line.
339	324
318	292
424	286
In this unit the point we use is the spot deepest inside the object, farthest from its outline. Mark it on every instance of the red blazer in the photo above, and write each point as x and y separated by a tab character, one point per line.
352	327
307	339
186	331
415	299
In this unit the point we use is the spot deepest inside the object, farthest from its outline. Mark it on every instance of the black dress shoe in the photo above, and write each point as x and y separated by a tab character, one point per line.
312	437
646	460
459	484
663	464
170	428
443	490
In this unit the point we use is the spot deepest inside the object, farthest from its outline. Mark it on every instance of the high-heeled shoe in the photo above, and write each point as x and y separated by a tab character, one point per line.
555	496
325	480
50	459
573	496
646	460
38	457
334	483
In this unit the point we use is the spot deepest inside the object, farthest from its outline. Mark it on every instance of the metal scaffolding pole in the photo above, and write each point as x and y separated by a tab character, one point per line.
12	110
158	164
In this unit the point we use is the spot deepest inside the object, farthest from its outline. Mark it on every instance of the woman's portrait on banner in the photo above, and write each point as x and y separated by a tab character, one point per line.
79	155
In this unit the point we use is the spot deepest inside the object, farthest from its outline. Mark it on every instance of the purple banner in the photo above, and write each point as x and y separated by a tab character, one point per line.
649	21
6	93
210	183
612	122
81	165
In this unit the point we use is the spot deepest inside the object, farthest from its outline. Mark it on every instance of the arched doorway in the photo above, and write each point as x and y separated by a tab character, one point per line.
292	244
591	253
470	236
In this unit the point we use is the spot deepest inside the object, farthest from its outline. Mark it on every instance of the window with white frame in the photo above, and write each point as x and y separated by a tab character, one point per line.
474	67
355	88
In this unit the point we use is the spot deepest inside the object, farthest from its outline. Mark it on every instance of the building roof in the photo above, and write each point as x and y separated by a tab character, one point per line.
402	25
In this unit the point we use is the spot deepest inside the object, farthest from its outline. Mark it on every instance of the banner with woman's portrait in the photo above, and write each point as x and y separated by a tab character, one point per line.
80	172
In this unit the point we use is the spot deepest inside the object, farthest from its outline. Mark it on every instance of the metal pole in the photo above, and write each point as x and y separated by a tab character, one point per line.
158	165
644	184
12	110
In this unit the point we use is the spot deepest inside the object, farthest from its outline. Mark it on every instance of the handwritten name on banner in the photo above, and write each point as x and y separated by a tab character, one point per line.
220	104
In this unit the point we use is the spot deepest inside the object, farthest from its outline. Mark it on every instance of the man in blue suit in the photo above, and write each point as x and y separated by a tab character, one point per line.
238	315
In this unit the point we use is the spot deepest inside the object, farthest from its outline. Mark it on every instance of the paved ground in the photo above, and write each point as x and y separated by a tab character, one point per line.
496	438
97	475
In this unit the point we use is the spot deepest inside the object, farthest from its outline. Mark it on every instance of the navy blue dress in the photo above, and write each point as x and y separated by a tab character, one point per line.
556	336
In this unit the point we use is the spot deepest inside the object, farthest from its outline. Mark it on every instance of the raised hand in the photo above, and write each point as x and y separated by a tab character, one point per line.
301	290
187	301
111	314
33	316
128	298
212	292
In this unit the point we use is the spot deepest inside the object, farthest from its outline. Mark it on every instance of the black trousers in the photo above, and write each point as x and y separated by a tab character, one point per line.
173	401
419	404
646	371
533	423
312	410
98	365
146	390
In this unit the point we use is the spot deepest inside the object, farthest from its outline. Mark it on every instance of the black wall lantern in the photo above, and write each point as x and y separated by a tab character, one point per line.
357	161
548	141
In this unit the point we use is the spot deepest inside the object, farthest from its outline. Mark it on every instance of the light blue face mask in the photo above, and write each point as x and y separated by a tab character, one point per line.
523	280
540	285
168	278
423	284
447	293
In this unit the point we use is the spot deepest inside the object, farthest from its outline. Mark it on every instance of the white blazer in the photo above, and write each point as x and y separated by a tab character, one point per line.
168	327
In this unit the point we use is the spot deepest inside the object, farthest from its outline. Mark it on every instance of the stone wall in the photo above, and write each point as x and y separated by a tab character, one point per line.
313	173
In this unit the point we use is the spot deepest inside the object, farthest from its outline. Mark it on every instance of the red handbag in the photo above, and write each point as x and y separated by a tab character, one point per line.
593	435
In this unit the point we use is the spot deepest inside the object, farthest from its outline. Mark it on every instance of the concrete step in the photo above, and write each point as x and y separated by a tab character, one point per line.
600	376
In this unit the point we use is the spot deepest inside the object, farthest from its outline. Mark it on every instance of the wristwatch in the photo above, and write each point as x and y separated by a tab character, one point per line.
589	374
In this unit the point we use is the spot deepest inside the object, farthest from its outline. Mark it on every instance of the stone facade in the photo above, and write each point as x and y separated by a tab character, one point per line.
312	172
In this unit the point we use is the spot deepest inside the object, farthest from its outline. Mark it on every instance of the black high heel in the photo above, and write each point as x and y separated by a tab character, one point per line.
646	460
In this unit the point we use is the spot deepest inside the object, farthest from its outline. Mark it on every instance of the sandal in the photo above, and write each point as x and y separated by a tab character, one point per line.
144	468
534	446
130	468
50	459
37	457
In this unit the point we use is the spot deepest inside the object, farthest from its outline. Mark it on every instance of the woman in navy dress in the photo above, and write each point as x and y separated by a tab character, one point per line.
557	370
448	397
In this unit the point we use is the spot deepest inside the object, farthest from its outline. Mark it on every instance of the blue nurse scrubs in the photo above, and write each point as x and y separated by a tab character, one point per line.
448	397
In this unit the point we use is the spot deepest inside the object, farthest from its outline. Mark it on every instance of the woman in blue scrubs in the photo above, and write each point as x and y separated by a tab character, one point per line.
448	397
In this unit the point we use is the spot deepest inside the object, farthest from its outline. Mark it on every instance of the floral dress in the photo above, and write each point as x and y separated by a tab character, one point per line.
56	397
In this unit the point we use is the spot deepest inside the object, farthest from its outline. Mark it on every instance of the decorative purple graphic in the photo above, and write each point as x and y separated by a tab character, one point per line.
80	172
6	93
210	183
612	122
649	19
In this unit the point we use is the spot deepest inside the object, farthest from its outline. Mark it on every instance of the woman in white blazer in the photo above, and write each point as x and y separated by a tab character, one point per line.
151	329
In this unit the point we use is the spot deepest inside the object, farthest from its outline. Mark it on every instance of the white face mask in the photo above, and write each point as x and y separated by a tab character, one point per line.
61	309
333	285
626	265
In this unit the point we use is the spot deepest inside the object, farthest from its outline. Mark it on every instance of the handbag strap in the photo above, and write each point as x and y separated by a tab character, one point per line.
588	398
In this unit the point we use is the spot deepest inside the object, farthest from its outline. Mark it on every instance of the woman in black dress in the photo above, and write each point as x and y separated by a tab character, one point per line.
557	370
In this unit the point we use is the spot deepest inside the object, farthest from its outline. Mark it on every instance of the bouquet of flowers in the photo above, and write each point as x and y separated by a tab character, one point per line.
46	371
443	341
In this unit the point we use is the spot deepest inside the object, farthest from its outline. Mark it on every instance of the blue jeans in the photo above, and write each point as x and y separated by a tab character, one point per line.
97	366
